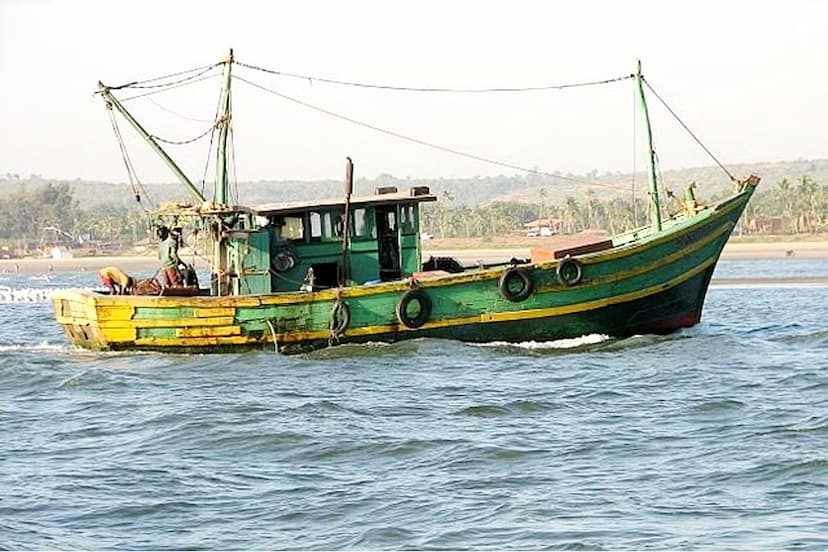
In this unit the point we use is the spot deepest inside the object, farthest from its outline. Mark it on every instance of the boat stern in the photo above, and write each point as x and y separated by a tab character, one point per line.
76	312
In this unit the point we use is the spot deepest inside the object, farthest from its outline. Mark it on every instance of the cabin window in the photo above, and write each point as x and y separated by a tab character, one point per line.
315	219
293	228
332	226
407	222
391	221
363	226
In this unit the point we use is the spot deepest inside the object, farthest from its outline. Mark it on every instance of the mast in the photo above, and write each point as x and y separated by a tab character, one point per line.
346	223
655	208
220	282
223	124
112	101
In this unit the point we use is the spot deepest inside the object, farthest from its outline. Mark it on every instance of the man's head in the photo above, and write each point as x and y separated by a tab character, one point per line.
162	232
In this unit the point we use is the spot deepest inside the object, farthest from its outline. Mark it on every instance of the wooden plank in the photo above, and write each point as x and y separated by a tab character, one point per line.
115	312
210	312
155	333
176	302
170	323
119	334
163	313
209	331
194	341
593	247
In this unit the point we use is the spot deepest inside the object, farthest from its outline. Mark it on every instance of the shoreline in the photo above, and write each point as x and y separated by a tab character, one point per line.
469	256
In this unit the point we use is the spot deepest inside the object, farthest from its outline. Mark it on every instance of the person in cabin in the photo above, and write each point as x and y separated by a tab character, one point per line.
168	255
186	271
116	280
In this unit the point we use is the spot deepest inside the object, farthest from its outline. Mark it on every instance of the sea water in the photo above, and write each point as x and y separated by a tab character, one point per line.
714	437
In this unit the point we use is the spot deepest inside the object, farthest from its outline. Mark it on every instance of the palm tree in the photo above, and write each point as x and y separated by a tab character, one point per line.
542	209
784	193
571	214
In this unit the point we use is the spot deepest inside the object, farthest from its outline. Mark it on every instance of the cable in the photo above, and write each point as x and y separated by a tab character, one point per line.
134	182
233	165
183	142
727	172
312	79
168	84
168	88
422	142
210	148
138	84
170	111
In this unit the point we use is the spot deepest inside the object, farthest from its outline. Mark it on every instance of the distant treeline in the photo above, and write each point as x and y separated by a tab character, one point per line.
788	207
470	192
792	198
51	214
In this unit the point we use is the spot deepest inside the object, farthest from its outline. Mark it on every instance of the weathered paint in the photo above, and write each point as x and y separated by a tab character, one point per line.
208	331
655	283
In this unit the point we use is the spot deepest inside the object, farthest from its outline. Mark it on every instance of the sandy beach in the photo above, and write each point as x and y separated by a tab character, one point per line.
147	264
138	263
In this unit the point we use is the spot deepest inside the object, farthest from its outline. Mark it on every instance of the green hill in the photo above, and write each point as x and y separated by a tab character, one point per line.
473	191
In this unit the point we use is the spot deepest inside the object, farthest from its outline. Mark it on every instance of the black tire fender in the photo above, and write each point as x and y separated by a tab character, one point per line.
284	260
340	317
509	277
422	298
569	272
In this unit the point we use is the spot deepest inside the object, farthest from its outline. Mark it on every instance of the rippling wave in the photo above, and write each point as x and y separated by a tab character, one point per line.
714	437
24	295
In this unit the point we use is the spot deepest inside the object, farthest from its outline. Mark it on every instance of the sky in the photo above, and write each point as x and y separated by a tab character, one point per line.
749	78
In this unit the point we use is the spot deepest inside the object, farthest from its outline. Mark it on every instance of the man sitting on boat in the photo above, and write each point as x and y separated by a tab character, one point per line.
168	255
116	280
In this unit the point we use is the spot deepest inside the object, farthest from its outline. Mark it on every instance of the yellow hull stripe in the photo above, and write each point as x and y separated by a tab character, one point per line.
208	331
167	323
199	332
512	316
662	262
193	342
229	335
544	312
214	304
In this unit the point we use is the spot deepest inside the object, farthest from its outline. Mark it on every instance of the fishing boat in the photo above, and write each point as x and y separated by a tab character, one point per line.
298	276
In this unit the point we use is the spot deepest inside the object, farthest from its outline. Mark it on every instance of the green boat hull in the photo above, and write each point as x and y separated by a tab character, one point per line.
646	282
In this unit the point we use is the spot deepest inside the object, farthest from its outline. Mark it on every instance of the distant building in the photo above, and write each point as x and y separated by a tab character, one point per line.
764	224
543	227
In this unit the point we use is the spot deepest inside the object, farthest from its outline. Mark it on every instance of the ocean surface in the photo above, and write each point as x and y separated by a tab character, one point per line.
715	437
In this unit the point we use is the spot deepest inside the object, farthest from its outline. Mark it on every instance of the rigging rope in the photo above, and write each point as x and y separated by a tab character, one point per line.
139	84
170	111
183	142
727	172
197	74
635	155
210	147
422	142
169	88
312	79
233	164
134	182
